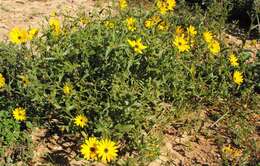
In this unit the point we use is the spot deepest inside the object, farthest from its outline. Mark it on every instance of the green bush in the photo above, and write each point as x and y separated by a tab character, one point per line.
87	66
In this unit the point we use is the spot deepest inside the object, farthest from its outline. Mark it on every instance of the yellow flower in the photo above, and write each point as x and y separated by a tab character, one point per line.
207	36
83	21
214	47
181	43
18	35
19	114
227	149
130	22
191	31
163	26
254	42
55	25
123	4
233	60
25	80
107	150
179	31
238	77
53	13
89	148
165	5
2	81
81	120
231	152
154	20
137	45
109	24
32	33
67	88
149	23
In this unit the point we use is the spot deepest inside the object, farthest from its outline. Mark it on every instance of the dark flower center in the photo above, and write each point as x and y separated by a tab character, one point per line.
19	37
93	149
105	150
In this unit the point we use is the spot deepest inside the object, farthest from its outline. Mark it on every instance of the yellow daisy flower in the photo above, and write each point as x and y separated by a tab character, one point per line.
207	36
55	25
233	60
154	20
181	44
25	80
165	5
231	152
191	31
53	13
19	114
137	45
83	21
107	150
109	24
130	22
123	4
179	31
238	77
214	47
89	148
163	26
67	89
149	23
32	33
18	35
2	81
81	120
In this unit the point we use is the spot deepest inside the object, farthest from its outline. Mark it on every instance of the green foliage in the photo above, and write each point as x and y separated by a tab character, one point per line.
118	90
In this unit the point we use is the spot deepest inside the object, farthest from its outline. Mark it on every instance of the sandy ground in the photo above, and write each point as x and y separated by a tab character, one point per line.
26	13
32	13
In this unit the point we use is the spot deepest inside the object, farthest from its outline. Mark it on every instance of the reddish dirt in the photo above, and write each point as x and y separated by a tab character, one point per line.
31	13
179	148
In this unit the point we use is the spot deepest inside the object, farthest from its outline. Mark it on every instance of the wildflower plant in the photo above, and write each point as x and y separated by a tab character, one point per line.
107	79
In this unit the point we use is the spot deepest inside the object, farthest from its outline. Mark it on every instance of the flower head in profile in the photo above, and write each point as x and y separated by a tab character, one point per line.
191	31
32	33
19	114
179	31
137	45
81	120
207	36
214	47
67	89
123	4
2	81
18	35
165	5
131	24
233	60
55	25
238	77
181	43
107	150
89	148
